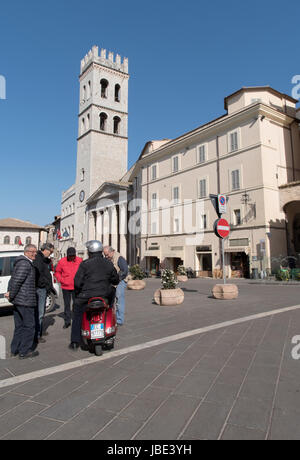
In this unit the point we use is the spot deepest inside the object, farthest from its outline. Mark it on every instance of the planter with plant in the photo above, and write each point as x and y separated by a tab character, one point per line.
181	274
169	294
136	278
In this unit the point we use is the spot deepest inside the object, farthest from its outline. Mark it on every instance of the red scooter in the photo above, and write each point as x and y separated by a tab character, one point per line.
99	325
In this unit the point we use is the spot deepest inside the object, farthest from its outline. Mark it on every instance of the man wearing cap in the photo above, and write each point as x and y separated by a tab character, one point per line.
43	285
95	278
65	273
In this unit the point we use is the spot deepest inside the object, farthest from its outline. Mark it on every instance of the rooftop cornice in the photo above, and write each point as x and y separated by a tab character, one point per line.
217	126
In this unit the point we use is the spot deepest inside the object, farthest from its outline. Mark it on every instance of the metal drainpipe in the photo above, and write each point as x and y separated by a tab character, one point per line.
292	147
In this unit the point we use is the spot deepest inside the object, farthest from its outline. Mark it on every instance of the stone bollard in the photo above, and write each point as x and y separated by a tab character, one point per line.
225	291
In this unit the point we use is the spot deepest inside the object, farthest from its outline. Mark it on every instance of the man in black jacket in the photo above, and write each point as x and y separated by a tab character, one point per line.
22	294
95	278
43	286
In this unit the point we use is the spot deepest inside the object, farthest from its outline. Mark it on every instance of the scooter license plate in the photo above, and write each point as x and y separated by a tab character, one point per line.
97	331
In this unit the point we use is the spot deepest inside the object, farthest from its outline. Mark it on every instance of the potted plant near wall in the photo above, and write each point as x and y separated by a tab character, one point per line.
169	294
181	274
136	278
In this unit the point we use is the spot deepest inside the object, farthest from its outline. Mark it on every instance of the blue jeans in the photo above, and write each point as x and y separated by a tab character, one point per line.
120	301
41	299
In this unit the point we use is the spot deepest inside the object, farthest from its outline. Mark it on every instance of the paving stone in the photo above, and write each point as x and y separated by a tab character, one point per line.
256	389
170	419
238	433
140	409
223	393
196	385
168	381
58	391
267	358
9	401
120	429
231	375
113	401
288	395
241	359
84	426
37	428
263	373
285	425
207	421
136	382
18	416
250	415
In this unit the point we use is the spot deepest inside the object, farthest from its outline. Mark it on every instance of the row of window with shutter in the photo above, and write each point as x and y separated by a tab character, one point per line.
17	240
201	155
202	189
202	225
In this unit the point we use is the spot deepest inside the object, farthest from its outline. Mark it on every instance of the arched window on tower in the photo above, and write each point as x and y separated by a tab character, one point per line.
117	93
103	121
89	90
28	240
82	126
117	122
6	240
84	93
104	86
88	121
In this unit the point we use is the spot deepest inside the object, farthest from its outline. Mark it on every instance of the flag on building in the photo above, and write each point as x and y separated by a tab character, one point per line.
58	235
66	234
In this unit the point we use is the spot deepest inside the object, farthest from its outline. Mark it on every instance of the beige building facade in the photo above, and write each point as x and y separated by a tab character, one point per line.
16	233
246	154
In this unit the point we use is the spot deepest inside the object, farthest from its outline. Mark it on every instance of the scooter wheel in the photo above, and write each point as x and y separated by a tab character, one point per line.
98	350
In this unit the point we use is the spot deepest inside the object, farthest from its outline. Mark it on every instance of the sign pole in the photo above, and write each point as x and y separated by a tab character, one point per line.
223	262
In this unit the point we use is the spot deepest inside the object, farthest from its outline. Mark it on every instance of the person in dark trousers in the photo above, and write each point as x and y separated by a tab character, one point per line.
22	294
65	272
95	278
44	286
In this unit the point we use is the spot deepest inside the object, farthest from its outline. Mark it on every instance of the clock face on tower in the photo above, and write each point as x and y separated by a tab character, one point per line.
81	195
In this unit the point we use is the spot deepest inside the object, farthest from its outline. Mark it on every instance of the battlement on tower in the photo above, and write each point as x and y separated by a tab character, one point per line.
102	59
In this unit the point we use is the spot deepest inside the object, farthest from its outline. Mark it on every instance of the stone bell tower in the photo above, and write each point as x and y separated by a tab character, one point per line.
102	144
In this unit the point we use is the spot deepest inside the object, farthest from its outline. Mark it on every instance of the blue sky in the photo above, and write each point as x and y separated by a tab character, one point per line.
184	58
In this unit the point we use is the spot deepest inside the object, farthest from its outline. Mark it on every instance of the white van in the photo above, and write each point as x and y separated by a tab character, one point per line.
7	260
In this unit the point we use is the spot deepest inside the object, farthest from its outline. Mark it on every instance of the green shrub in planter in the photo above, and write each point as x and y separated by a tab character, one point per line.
181	270
168	279
136	272
283	275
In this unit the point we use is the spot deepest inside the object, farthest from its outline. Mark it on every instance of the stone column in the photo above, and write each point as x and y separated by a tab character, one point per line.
105	227
91	235
123	230
114	228
99	226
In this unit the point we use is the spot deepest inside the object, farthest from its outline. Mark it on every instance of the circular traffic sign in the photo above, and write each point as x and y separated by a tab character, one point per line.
222	228
222	200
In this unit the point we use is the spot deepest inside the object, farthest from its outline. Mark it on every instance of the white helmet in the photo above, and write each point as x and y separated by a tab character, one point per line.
94	246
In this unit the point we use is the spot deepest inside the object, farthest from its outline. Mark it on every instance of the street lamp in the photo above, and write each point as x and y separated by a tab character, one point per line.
245	198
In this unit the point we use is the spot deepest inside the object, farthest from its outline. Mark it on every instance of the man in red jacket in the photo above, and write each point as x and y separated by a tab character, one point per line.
65	273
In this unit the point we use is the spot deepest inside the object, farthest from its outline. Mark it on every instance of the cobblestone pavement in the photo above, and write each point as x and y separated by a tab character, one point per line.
237	381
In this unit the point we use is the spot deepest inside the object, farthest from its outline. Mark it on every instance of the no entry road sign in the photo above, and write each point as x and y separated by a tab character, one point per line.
222	228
